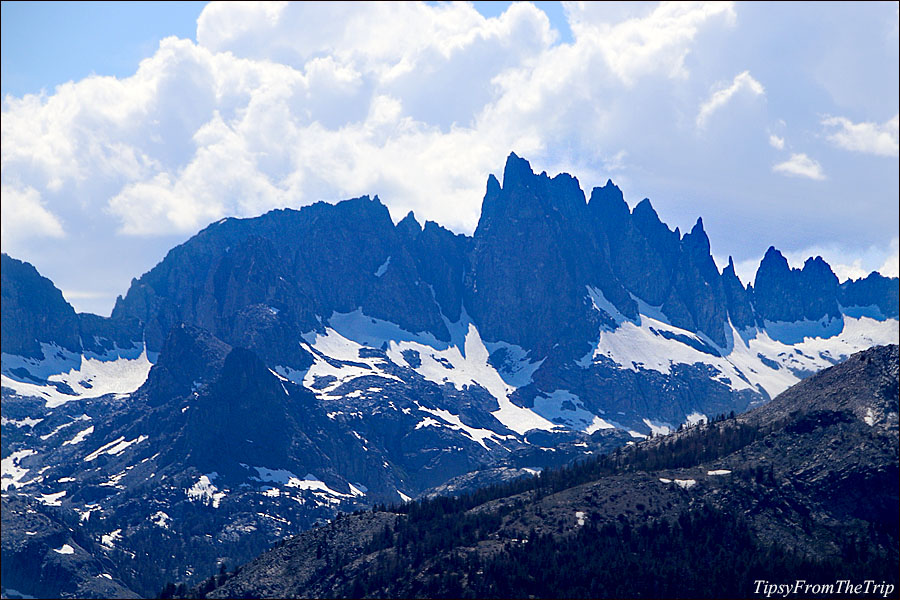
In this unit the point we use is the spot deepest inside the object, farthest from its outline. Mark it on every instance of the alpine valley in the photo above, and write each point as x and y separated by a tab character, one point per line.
275	372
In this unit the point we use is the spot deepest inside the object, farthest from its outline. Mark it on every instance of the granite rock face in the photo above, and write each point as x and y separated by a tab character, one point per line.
263	282
34	312
532	257
874	290
781	293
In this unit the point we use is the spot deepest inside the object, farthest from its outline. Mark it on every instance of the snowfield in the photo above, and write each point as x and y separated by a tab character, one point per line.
63	375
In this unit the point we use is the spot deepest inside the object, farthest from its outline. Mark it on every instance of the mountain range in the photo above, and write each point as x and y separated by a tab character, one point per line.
273	372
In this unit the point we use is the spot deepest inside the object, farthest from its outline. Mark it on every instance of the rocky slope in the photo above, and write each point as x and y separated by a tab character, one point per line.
805	487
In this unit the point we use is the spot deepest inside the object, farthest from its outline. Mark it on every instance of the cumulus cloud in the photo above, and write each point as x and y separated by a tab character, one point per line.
868	137
742	83
802	166
776	142
891	265
24	215
369	100
634	46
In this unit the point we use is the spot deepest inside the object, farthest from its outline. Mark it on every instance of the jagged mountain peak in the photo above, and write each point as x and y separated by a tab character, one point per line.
608	204
644	211
696	239
409	226
190	357
34	311
517	171
773	258
730	265
698	226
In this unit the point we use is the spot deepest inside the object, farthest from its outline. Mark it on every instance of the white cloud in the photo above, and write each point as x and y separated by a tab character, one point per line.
891	265
867	137
802	166
24	215
776	142
742	83
374	98
647	43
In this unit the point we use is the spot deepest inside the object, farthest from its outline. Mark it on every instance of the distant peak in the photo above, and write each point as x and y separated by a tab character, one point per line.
517	170
698	226
493	186
645	207
774	259
608	202
409	224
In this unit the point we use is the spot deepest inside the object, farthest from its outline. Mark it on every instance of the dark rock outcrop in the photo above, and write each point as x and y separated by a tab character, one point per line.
261	282
34	312
740	310
874	290
784	294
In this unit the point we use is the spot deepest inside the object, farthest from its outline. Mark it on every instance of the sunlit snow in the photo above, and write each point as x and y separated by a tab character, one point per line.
117	446
565	408
205	492
383	268
12	473
309	482
752	358
80	436
462	362
109	539
120	371
52	499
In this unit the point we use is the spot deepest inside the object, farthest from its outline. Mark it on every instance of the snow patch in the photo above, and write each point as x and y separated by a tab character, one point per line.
686	483
26	422
870	417
658	427
115	447
383	268
566	409
427	422
718	472
109	539
462	362
65	549
205	492
454	422
309	482
80	436
696	418
161	519
774	357
52	499
62	375
12	472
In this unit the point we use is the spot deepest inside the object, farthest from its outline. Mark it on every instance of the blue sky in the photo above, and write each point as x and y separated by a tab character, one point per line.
48	43
127	127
